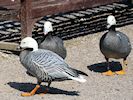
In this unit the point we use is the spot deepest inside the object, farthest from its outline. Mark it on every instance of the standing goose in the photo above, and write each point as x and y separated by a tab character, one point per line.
52	43
114	44
45	65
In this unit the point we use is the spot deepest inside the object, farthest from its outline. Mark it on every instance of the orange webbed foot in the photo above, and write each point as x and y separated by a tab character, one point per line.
121	72
108	73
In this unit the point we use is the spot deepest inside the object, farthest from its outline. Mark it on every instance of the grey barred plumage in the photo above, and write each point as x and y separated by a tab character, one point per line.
45	65
44	61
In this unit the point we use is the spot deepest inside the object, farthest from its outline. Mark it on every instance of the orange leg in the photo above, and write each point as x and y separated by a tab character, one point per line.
46	88
108	72
125	63
122	72
32	92
44	92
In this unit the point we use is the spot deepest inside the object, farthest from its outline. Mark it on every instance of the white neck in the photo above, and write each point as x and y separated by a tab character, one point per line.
35	49
45	33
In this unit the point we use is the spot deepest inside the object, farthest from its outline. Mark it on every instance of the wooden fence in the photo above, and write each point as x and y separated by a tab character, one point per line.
29	11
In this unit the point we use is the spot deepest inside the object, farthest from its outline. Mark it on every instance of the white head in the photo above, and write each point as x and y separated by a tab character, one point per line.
29	42
111	21
47	27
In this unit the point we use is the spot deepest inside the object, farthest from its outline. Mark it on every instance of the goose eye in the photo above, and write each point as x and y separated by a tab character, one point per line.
24	42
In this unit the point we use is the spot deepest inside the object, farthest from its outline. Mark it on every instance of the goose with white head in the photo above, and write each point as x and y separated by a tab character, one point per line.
45	65
114	44
52	43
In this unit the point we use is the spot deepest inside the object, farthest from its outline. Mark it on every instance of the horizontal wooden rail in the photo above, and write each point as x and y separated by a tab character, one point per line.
29	11
8	46
61	6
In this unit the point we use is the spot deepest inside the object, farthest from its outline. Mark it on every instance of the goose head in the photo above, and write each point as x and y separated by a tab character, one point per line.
111	21
29	42
47	27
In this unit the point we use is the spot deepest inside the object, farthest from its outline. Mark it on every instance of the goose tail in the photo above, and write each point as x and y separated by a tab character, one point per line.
80	79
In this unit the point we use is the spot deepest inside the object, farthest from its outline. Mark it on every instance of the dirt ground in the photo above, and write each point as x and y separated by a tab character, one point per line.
82	53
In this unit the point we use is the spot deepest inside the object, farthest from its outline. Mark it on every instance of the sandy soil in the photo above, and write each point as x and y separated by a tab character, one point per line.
83	54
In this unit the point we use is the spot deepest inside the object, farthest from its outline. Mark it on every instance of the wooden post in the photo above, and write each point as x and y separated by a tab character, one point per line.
25	18
132	1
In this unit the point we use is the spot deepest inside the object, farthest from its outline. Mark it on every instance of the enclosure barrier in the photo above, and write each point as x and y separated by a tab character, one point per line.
81	20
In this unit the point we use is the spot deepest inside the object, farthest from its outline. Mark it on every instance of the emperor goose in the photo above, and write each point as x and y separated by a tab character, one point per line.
52	43
114	44
45	65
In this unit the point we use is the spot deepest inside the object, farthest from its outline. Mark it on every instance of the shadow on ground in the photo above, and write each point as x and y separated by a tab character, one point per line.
102	67
27	87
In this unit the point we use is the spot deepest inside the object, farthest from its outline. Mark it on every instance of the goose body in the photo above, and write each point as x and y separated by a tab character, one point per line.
52	43
55	44
45	65
114	44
